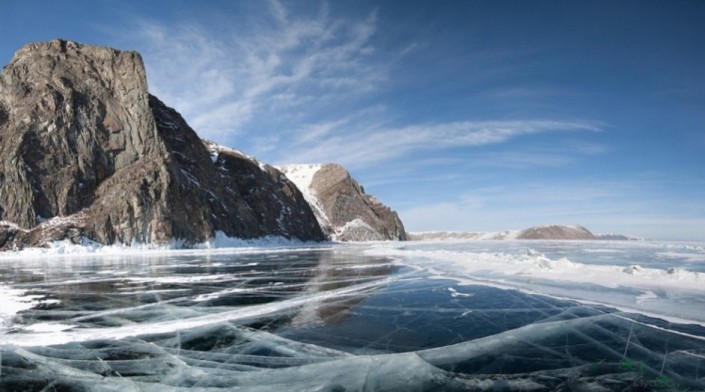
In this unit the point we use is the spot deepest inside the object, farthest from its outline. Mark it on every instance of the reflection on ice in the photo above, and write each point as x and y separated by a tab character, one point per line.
346	317
129	306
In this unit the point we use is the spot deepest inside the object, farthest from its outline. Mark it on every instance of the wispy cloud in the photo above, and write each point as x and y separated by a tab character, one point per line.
300	86
358	146
221	82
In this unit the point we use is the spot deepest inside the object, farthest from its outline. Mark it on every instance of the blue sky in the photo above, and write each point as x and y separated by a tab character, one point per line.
474	115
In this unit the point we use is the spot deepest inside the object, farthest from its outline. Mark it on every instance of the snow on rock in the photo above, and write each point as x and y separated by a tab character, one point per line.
216	149
302	177
343	209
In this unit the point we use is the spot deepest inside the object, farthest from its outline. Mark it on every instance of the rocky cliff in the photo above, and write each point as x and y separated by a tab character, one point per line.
344	210
87	152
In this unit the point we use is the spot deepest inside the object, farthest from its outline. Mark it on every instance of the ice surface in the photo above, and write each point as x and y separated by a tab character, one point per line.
12	301
358	317
606	274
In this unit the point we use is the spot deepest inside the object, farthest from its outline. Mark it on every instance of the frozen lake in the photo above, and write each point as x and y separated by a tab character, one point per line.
474	315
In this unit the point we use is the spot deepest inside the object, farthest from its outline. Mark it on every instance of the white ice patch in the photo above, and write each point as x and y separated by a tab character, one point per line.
687	257
647	296
13	301
455	293
167	326
222	293
47	327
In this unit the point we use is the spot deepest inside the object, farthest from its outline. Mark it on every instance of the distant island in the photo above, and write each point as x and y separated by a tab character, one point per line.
544	232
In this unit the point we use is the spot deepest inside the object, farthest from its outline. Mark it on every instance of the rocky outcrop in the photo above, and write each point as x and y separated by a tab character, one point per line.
556	232
344	210
86	152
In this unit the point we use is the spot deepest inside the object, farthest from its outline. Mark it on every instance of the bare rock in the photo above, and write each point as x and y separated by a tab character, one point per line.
85	151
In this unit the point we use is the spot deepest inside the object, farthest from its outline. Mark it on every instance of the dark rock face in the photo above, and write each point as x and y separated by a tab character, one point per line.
556	232
278	203
353	215
85	151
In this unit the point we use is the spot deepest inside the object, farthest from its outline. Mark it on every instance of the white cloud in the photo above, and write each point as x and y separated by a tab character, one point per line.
357	145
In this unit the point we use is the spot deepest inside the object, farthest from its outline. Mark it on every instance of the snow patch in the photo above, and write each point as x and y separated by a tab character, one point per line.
360	230
14	301
647	296
215	149
455	293
302	177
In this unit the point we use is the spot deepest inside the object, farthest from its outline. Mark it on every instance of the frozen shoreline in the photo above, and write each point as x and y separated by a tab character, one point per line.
219	244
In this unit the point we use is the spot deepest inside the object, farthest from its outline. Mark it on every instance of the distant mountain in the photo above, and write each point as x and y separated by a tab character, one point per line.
87	153
556	232
544	232
343	209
